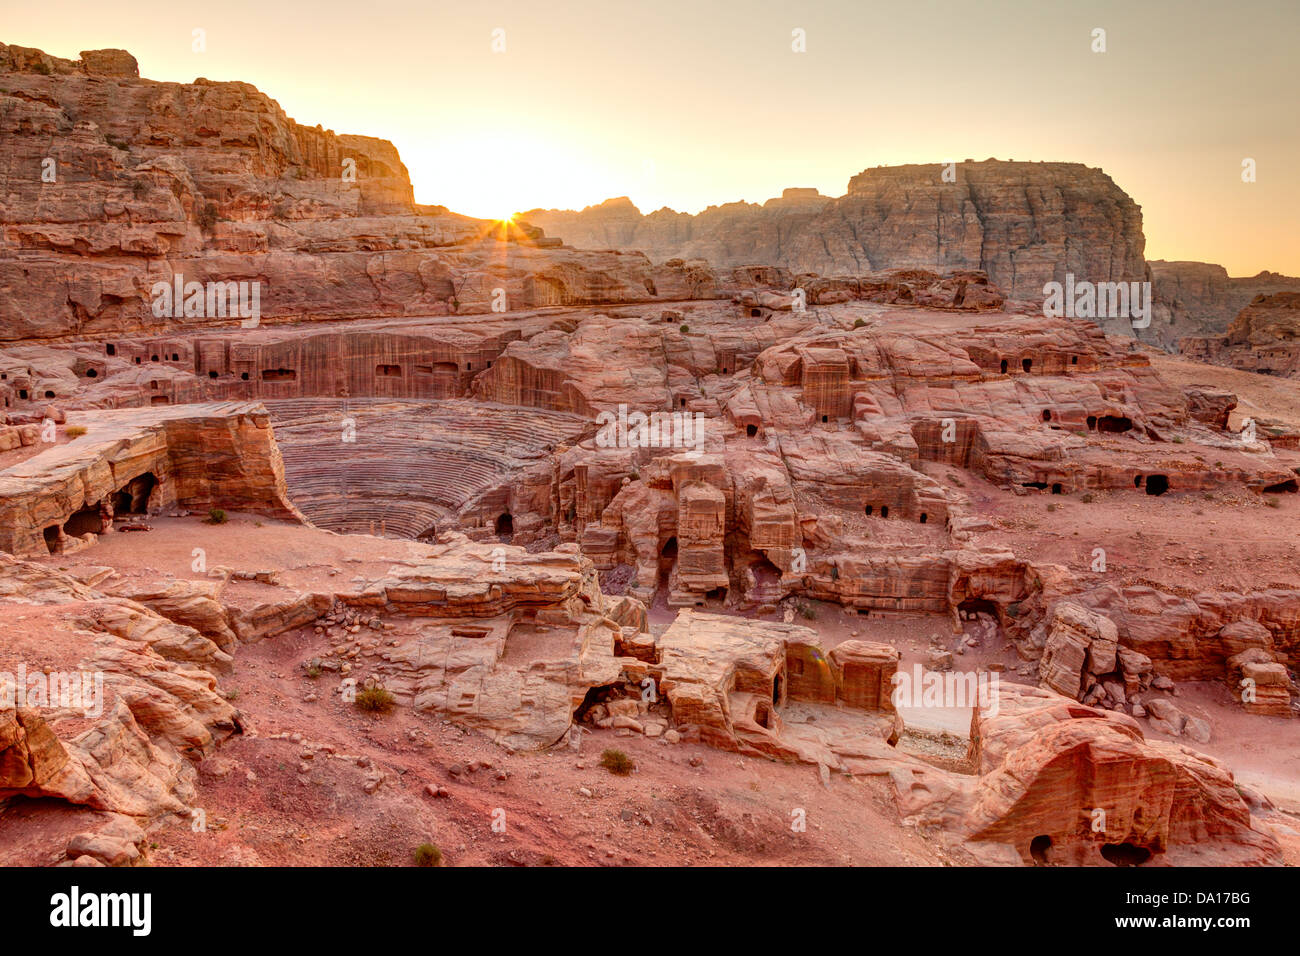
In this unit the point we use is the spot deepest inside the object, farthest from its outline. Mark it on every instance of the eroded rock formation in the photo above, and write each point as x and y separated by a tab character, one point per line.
1023	224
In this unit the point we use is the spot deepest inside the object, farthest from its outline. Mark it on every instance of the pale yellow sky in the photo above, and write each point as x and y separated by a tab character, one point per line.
688	104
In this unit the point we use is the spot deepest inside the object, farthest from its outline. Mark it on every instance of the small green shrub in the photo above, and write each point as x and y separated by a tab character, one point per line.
685	329
426	854
808	612
75	431
617	762
859	323
216	516
375	699
1089	498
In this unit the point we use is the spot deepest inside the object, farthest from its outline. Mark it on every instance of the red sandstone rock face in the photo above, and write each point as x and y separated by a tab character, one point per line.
1264	337
137	463
846	435
1023	224
1066	784
213	182
1196	300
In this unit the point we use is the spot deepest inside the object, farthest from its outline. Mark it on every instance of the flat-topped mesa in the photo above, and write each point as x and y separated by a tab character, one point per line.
1024	224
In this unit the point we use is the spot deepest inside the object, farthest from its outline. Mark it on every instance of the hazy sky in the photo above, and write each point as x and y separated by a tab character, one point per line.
688	103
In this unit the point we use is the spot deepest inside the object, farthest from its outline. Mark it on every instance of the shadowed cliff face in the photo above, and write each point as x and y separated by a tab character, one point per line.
1023	223
1199	299
1264	338
112	184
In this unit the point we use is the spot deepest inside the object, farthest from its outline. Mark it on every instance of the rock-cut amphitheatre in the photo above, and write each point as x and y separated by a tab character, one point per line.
418	472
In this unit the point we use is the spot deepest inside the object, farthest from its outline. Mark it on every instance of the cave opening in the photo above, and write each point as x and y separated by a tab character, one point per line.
884	511
1038	848
52	538
971	608
595	695
1092	423
1157	484
1125	854
1289	485
279	375
924	517
1026	364
1114	423
1004	367
505	524
1056	487
752	430
1047	414
667	558
84	520
133	497
91	373
110	349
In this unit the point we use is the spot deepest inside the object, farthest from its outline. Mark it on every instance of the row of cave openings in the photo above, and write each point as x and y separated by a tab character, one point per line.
870	511
24	394
291	375
1154	484
1026	364
131	499
1112	424
1119	854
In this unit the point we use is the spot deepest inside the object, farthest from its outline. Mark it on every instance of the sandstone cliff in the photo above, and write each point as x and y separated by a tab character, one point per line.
1022	223
1195	299
110	184
1264	337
